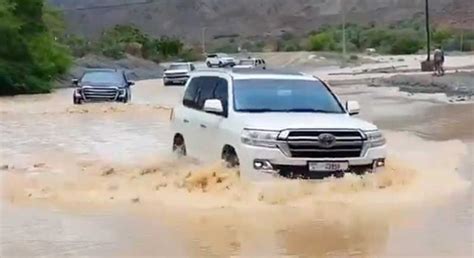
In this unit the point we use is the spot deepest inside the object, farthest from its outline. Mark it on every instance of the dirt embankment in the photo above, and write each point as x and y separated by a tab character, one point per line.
136	68
458	84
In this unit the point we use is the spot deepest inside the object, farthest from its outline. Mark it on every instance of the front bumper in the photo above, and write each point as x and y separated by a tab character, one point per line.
177	80
93	95
284	166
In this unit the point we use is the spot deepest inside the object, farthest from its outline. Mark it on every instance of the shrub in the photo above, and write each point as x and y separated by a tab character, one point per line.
406	42
322	41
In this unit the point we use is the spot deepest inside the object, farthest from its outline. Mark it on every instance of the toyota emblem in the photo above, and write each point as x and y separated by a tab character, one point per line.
327	140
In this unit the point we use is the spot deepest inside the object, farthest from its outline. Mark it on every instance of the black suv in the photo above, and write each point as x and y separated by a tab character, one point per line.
102	85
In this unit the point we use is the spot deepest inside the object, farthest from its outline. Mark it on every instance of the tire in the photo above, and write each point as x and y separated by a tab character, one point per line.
220	64
209	65
179	146
230	157
76	101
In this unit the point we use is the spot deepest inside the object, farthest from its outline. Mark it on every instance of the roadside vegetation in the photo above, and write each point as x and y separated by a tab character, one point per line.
30	55
121	40
407	37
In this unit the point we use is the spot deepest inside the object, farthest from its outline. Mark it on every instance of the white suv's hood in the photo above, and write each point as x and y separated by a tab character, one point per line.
282	121
176	71
244	66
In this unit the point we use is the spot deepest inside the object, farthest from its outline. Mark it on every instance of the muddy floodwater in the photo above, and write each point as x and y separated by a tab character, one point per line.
98	180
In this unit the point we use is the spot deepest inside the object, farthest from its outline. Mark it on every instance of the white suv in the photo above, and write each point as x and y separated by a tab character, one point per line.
274	124
219	60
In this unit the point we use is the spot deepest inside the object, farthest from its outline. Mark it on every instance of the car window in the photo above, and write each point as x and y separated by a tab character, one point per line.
201	89
178	67
103	77
221	93
192	93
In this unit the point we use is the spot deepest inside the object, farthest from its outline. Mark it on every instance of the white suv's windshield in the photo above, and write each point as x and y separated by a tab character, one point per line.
246	62
273	95
178	67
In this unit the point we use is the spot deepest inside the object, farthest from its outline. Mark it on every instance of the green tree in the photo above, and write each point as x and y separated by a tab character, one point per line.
30	56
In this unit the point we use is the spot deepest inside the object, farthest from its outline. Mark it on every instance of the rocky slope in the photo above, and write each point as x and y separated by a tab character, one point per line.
247	18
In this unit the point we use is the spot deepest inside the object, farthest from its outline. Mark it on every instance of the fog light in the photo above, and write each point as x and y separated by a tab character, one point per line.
262	165
380	163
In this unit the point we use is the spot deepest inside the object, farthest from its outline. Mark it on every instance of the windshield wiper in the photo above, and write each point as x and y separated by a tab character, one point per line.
311	110
258	110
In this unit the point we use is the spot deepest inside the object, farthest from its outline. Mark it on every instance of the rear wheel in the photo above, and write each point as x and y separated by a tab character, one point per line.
209	64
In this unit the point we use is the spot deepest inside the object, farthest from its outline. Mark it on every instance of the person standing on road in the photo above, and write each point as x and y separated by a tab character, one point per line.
439	61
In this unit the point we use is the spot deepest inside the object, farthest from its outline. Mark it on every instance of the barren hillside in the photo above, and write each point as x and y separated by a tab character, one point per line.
247	18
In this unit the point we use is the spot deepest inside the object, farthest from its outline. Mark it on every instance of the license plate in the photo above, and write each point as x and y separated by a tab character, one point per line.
328	166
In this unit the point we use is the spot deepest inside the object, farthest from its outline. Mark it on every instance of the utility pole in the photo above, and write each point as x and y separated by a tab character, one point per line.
462	41
428	31
344	50
203	35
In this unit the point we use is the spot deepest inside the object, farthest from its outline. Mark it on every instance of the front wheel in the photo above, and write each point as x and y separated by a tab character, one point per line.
76	100
231	159
209	64
179	147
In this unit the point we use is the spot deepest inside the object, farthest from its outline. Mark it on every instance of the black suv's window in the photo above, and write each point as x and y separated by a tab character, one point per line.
103	77
201	89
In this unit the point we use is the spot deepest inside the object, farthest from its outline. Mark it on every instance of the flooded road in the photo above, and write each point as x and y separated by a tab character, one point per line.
98	180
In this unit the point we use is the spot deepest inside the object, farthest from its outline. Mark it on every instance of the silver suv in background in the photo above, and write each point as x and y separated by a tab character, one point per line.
177	73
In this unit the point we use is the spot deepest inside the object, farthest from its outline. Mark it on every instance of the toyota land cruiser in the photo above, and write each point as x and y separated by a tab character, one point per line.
274	124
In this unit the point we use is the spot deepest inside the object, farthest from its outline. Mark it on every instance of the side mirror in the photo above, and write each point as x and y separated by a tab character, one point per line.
131	83
213	106
353	107
166	69
75	82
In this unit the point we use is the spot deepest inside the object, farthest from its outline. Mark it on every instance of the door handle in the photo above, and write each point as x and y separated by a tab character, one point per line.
203	126
186	121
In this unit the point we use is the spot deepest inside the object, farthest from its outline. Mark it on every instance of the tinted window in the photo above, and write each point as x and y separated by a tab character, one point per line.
103	77
201	89
268	95
178	67
192	93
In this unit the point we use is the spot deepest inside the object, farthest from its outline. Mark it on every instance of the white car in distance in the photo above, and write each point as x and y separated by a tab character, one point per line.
252	63
177	73
219	60
274	124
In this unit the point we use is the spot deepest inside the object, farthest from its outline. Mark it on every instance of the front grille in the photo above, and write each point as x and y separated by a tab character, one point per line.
307	144
176	75
100	93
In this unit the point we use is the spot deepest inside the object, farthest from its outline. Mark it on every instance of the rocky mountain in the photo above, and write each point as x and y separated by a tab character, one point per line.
190	19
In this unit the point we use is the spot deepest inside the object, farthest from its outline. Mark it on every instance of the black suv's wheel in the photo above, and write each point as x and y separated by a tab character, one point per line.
76	101
230	157
179	147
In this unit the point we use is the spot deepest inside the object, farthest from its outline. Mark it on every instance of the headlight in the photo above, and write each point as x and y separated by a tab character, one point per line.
260	138
375	139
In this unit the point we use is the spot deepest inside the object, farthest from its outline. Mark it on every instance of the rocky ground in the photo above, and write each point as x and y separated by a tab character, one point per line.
457	84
